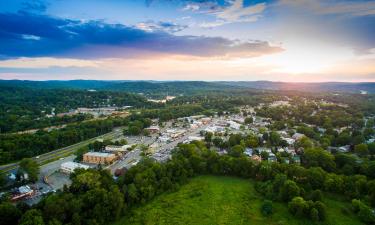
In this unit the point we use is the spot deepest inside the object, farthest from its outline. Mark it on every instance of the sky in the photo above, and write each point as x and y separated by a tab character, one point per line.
242	40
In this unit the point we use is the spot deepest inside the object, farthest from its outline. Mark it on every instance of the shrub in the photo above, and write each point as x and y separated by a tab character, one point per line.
267	208
314	214
316	195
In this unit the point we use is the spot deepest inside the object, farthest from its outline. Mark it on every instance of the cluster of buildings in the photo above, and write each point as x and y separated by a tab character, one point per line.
96	112
110	154
22	192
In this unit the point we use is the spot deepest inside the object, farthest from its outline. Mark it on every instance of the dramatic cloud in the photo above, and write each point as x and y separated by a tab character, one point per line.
239	13
30	35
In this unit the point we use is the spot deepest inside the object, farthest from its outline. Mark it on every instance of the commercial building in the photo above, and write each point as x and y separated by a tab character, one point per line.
153	129
69	167
116	149
99	158
23	192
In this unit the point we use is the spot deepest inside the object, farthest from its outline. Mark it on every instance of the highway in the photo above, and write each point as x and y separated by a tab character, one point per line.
62	152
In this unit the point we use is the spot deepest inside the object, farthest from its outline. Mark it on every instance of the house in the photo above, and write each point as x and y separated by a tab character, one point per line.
272	157
206	120
262	149
256	158
153	129
345	148
248	152
297	136
99	158
297	159
69	167
290	141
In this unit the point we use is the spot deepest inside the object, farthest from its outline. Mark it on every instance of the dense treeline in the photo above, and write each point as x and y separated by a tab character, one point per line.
95	198
17	146
26	108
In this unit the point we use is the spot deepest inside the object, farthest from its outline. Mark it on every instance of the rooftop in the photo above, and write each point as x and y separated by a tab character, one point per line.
99	154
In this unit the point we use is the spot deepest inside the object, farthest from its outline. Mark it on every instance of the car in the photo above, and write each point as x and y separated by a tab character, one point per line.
37	157
61	158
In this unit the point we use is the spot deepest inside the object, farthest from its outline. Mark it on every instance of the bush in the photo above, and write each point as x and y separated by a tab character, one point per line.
267	208
316	195
297	206
314	214
366	215
364	212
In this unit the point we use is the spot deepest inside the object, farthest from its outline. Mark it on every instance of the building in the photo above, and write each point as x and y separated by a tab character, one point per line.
297	136
290	141
23	192
116	149
99	158
248	152
234	125
256	158
194	138
69	167
153	129
206	120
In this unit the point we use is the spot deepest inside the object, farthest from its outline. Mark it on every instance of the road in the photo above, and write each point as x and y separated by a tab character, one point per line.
62	152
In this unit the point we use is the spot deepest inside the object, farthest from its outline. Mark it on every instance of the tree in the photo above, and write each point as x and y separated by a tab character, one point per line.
249	120
236	151
32	217
275	138
314	215
208	137
304	142
316	195
297	206
289	190
134	130
80	152
218	142
371	148
9	214
30	167
252	141
361	150
318	157
267	208
3	180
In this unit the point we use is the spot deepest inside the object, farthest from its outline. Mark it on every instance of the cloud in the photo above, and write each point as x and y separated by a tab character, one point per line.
152	26
238	13
34	6
326	7
55	37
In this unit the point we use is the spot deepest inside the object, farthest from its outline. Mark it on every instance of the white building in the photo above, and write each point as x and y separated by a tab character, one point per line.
297	136
117	148
290	141
69	167
234	125
195	138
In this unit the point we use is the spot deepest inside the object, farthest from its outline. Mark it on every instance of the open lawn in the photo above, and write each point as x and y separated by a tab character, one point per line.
225	200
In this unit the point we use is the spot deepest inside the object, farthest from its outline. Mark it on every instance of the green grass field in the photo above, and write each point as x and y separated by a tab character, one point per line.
224	200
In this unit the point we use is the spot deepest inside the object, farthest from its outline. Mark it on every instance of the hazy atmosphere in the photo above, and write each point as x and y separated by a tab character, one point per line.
278	40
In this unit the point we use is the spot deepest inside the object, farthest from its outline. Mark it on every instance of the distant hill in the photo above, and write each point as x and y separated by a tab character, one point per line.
310	87
186	87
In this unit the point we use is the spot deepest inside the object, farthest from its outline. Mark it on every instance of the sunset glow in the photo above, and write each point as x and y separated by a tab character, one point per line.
189	40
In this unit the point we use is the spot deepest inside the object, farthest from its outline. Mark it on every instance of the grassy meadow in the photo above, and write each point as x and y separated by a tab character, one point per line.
208	200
